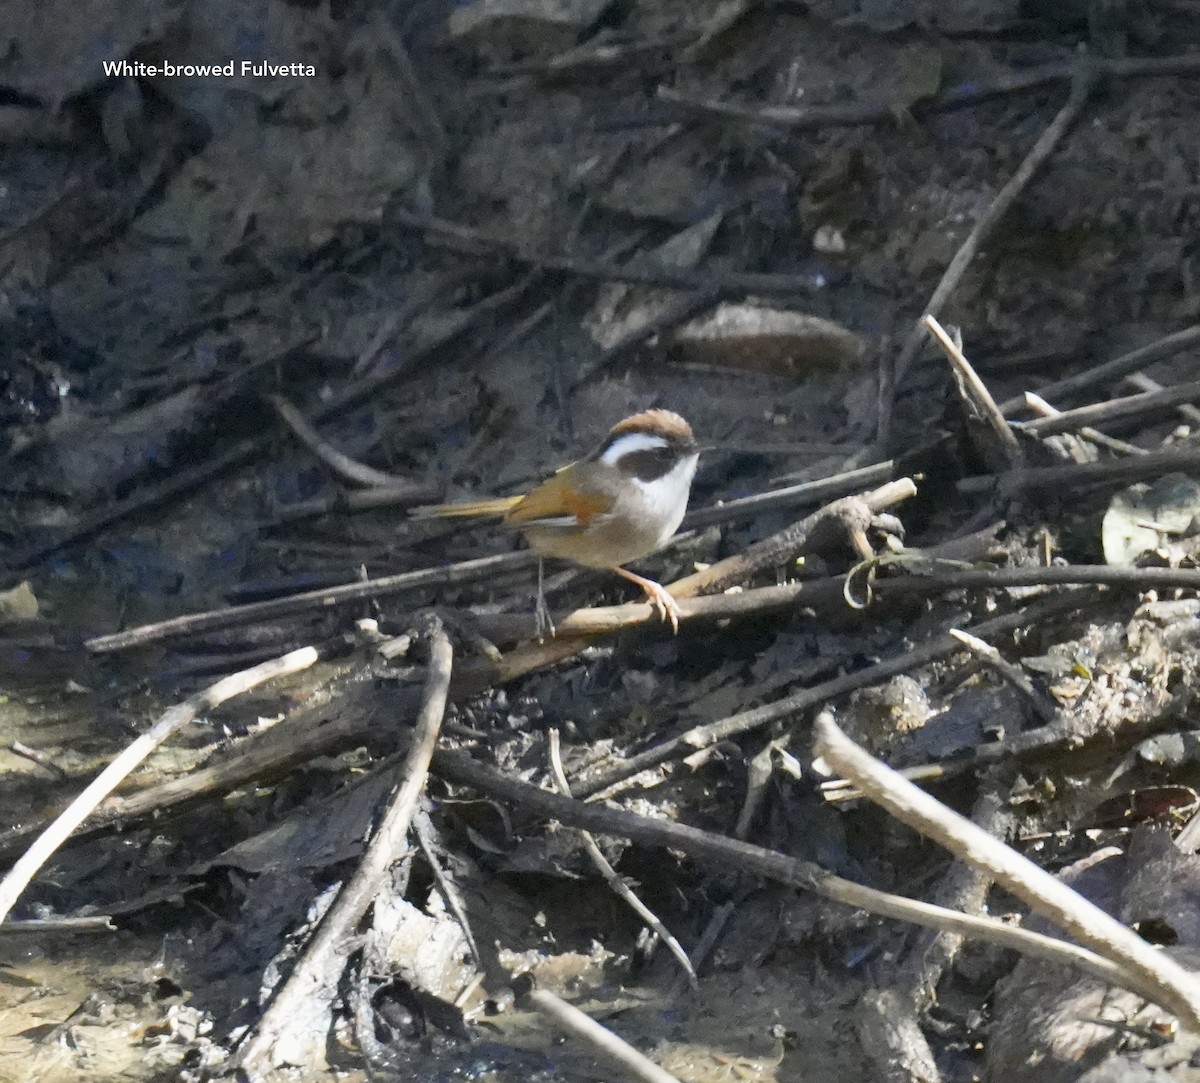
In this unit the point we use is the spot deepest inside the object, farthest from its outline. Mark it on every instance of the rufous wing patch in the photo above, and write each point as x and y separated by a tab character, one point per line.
556	498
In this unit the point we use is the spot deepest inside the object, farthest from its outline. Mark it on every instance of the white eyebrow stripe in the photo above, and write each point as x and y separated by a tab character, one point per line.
632	441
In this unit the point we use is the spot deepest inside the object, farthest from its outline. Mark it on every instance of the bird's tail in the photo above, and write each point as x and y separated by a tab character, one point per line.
470	509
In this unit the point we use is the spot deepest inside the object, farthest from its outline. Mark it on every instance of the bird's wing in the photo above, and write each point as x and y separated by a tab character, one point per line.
555	503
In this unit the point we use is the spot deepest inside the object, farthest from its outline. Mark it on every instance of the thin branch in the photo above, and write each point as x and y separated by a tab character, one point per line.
1081	88
1127	363
343	466
284	1034
726	854
909	657
842	515
1043	409
582	1026
1130	406
1064	478
1143	382
466	571
1010	671
611	876
454	234
102	785
800	118
1145	969
1056	575
975	391
810	492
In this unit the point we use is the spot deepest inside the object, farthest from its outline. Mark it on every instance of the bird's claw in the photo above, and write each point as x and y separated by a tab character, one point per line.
663	601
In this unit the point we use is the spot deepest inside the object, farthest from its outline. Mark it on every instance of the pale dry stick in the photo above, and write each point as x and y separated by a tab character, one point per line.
975	390
1009	671
727	853
611	876
169	722
343	466
1043	409
1144	969
466	571
607	1044
284	1034
1115	369
1147	383
1081	88
1114	409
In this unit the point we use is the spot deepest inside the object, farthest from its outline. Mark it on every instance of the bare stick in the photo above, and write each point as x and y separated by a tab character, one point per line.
343	466
102	785
975	390
611	877
1147	383
467	571
780	548
1129	406
810	492
1081	88
907	659
458	235
802	118
1056	575
727	853
1145	969
284	1034
1058	478
607	1044
1118	367
1042	408
1009	671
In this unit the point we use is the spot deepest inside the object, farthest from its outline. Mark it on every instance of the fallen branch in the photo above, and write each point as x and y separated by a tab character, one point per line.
284	1034
343	466
908	659
1130	406
1081	88
977	397
1127	363
102	785
1144	969
611	877
1064	478
582	1026
731	854
466	571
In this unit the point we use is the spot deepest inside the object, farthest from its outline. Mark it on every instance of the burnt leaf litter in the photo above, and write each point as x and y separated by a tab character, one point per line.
463	240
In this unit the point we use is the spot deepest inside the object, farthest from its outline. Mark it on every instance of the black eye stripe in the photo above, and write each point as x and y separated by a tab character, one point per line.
649	464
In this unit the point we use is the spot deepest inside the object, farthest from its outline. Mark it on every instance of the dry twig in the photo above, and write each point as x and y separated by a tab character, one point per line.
102	785
343	466
285	1034
607	1044
611	876
1081	88
1144	969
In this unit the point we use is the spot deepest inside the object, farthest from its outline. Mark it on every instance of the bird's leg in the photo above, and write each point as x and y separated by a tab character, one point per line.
541	611
657	595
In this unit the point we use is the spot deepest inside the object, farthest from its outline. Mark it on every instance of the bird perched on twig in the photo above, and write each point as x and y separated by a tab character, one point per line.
622	502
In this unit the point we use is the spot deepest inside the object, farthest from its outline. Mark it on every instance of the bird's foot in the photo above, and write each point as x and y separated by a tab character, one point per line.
662	600
541	614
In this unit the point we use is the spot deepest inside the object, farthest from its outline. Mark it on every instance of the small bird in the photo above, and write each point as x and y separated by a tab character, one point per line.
622	502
